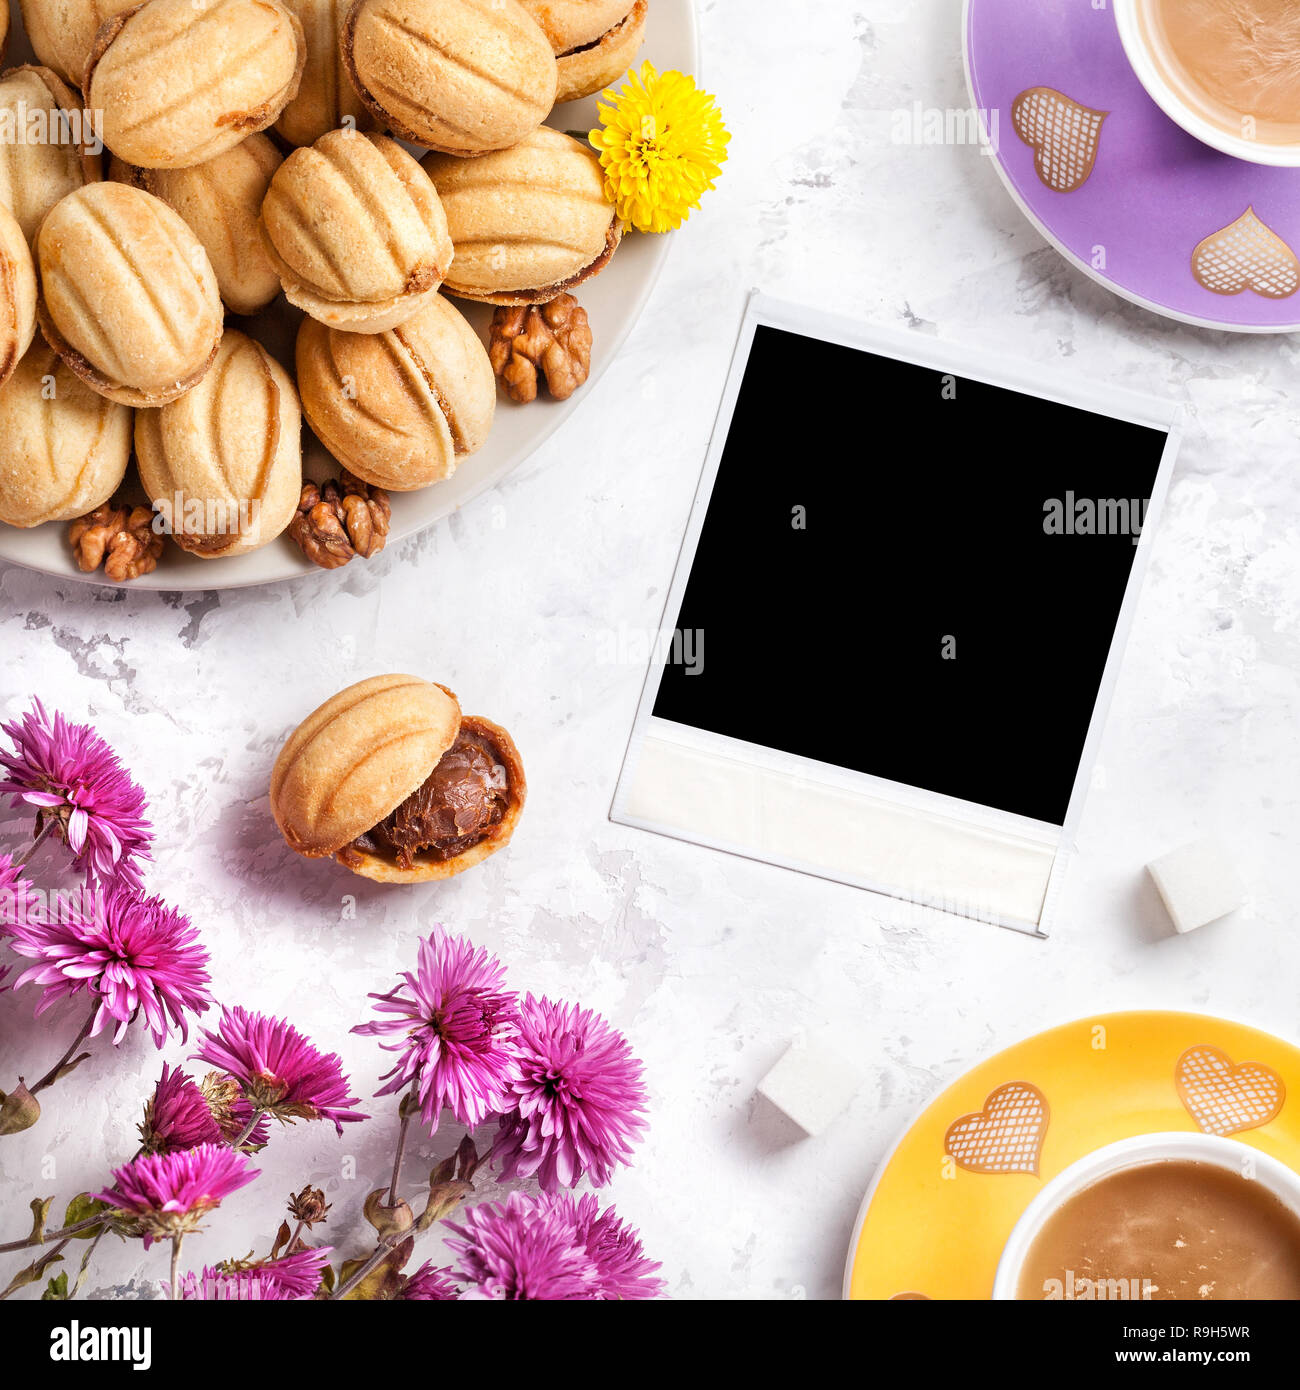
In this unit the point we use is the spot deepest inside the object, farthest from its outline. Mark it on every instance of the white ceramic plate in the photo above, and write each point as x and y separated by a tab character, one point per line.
613	301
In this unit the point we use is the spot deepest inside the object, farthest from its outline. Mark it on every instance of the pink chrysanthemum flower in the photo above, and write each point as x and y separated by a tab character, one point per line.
135	955
290	1276
523	1248
70	775
623	1270
233	1113
16	895
177	1116
552	1246
16	902
298	1274
280	1071
454	1025
166	1195
429	1285
577	1103
222	1286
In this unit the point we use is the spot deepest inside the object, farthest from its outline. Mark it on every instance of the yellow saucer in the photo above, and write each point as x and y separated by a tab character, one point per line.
944	1201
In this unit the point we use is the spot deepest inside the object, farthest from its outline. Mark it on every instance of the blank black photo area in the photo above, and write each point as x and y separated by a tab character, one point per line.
911	575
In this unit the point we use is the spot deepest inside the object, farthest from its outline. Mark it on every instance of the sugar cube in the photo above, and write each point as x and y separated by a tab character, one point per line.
1198	884
811	1084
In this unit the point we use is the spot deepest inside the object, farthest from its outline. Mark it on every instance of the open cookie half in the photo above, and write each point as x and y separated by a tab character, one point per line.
393	781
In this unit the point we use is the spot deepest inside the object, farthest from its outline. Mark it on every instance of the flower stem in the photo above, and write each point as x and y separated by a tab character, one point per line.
66	1233
398	1156
176	1262
381	1252
38	1268
444	1191
50	823
248	1129
50	1256
52	1075
85	1261
389	1243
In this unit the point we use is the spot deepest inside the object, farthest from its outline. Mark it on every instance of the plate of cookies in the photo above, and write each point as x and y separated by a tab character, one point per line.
287	281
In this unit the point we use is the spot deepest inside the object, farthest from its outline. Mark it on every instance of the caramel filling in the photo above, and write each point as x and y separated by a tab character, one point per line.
461	803
611	33
595	43
546	293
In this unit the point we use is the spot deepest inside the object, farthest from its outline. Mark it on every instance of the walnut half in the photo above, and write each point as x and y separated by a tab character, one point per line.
118	536
338	521
553	338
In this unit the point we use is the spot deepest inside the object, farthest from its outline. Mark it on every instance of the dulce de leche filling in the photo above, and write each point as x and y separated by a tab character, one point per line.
461	803
1236	63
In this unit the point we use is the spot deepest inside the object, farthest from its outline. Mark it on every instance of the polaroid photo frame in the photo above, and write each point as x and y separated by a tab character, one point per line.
898	614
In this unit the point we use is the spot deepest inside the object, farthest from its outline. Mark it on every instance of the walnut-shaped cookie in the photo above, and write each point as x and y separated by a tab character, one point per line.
65	447
129	299
35	174
326	98
528	223
223	463
221	200
394	782
357	232
595	41
462	76
62	32
398	409
17	295
179	81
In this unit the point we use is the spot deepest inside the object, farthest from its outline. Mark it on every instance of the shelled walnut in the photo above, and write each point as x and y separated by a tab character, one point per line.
338	521
118	536
553	338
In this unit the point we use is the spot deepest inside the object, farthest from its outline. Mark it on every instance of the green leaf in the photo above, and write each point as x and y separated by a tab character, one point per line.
388	1221
468	1161
19	1110
56	1291
444	1172
82	1207
81	1273
444	1198
31	1274
69	1067
383	1281
40	1209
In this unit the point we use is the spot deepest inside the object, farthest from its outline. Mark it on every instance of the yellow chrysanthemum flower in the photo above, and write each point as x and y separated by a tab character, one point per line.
662	144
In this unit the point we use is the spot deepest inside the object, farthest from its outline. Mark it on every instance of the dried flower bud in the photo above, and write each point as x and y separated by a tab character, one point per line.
308	1206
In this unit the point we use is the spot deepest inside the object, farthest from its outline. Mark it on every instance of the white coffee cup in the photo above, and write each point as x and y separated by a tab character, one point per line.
1274	1177
1138	39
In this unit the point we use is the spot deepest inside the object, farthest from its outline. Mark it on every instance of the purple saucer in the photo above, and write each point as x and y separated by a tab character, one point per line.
1119	189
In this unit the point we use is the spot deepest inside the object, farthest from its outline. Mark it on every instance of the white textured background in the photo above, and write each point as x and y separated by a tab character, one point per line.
708	962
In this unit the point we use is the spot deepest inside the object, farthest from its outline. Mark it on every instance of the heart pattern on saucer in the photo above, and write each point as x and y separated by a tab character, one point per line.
1006	1136
1063	133
1246	255
1224	1098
